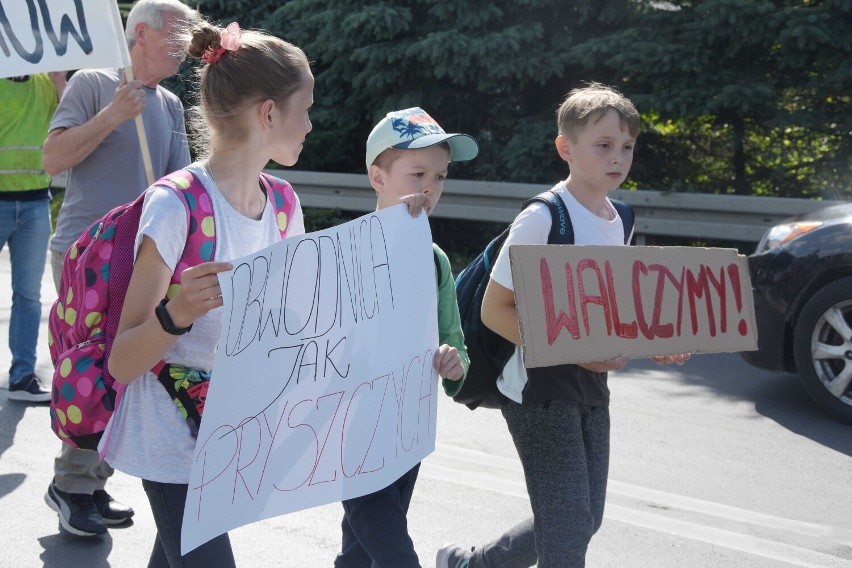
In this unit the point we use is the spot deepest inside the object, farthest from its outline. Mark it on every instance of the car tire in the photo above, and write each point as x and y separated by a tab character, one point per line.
822	343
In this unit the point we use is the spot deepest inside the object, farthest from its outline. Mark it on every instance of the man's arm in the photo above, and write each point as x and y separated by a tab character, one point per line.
67	147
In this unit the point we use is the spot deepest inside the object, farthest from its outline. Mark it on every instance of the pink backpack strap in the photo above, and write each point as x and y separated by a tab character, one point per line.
283	200
201	229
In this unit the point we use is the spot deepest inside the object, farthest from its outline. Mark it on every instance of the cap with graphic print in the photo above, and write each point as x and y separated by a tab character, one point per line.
411	129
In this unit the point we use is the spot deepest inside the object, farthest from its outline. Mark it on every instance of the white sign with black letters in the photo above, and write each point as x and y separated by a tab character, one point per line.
38	36
323	387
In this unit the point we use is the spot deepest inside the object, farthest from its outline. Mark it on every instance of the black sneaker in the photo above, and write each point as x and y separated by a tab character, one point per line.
77	512
29	389
112	512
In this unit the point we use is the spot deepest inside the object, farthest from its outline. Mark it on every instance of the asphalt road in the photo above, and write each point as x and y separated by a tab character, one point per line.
714	464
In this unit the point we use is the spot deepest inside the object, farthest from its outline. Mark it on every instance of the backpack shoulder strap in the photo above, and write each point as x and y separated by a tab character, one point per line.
283	199
201	228
561	229
628	217
438	272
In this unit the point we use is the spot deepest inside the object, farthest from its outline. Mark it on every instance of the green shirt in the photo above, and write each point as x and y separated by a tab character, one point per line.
449	321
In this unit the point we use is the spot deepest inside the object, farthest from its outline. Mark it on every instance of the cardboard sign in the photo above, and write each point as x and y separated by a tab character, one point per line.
38	36
591	303
323	387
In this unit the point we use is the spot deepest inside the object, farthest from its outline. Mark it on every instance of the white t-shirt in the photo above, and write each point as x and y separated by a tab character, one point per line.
532	227
149	438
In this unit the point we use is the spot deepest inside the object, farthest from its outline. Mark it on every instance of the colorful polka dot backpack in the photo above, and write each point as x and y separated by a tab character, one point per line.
95	274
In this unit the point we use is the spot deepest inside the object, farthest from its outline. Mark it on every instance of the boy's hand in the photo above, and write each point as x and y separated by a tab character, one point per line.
604	366
679	359
448	363
417	202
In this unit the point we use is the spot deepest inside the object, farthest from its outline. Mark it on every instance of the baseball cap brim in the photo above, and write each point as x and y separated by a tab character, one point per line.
462	146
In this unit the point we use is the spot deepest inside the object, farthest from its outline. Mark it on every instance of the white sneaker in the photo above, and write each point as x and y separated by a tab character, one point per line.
452	555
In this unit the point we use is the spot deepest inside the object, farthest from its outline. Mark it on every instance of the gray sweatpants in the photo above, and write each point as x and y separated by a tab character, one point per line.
76	471
564	450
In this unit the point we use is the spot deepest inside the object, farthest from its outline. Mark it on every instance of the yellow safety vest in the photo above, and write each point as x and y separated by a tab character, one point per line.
26	109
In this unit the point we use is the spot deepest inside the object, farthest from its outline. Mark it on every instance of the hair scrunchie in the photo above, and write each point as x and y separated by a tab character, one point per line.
228	41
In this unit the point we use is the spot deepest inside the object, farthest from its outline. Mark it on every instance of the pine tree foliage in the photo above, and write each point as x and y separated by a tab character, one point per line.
751	96
772	77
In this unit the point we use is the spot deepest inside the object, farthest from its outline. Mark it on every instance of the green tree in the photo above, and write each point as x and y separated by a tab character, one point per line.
496	70
763	85
747	96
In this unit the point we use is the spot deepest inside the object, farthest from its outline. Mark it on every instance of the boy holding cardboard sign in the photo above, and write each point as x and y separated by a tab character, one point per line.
407	156
558	416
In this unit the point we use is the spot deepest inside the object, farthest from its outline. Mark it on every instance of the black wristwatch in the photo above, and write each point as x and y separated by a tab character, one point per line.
166	319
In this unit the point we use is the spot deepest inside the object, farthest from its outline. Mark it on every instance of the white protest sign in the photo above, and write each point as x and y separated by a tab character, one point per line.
323	387
590	303
38	36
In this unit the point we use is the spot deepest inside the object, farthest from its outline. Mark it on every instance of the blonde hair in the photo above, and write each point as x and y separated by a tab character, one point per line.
264	67
390	155
590	103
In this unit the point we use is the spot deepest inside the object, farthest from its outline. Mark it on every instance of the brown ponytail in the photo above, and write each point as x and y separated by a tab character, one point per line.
263	67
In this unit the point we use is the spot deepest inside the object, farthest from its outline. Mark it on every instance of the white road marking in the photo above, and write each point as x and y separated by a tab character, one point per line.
772	549
472	468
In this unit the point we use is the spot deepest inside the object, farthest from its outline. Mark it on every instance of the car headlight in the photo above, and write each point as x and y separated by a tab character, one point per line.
780	234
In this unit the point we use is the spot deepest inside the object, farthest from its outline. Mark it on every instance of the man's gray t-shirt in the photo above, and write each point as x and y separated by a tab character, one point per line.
114	172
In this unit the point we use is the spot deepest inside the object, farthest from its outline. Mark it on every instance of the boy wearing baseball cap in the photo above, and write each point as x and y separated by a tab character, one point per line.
407	158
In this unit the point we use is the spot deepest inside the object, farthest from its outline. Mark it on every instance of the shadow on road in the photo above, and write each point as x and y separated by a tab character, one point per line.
785	401
9	482
777	396
10	414
62	549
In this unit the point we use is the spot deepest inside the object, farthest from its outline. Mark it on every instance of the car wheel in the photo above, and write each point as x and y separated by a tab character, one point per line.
823	348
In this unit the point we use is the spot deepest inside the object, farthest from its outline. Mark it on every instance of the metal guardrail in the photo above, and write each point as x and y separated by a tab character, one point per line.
689	215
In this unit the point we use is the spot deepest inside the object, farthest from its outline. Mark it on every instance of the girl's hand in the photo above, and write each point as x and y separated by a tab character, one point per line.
417	202
605	366
199	293
679	359
448	363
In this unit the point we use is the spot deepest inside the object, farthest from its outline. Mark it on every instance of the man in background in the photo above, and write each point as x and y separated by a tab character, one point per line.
26	106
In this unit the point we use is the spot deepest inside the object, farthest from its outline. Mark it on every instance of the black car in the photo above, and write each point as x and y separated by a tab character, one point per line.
801	273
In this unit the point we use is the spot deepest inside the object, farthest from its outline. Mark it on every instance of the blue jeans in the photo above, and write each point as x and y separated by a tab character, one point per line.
167	501
375	528
25	226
